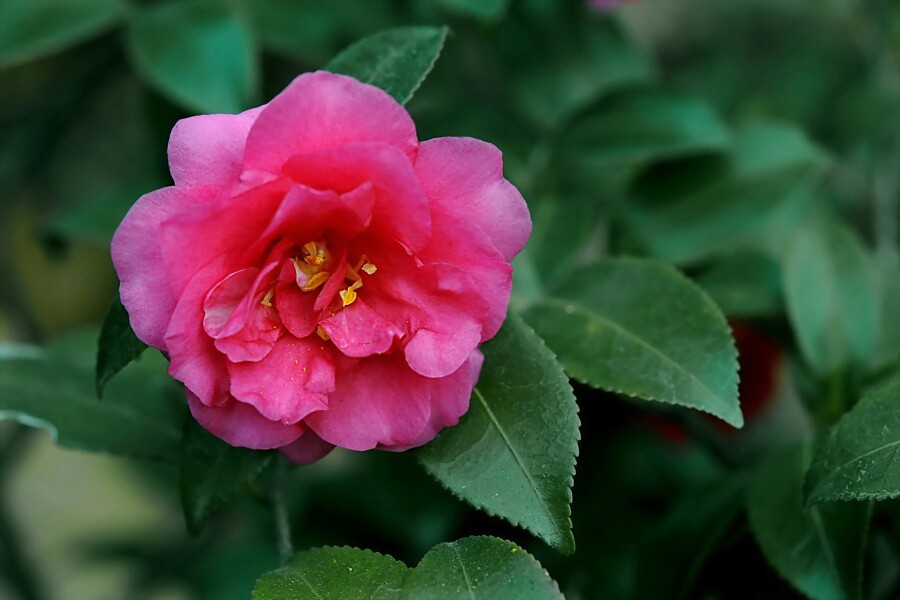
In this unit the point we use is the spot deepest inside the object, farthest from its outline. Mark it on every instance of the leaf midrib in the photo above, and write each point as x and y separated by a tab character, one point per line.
543	503
591	315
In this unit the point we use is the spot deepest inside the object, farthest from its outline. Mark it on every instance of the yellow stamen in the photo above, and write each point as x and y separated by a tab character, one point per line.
322	333
267	299
313	253
315	281
369	268
348	296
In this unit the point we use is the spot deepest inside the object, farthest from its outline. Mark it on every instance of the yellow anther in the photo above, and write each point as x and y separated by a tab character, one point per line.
267	299
313	253
322	333
369	268
315	281
348	296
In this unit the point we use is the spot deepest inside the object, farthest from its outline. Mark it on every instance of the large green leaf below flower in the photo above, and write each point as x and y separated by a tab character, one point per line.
477	568
513	454
639	327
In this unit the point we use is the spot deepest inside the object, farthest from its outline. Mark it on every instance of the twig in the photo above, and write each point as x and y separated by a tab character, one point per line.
279	512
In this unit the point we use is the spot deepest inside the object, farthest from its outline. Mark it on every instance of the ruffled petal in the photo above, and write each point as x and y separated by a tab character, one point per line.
437	307
137	254
209	148
401	206
306	213
193	358
291	382
296	308
323	110
464	177
454	401
223	228
241	425
380	402
359	331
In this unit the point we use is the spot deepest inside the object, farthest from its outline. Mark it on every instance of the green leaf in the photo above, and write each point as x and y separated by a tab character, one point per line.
687	210
333	574
199	54
830	289
672	554
488	10
212	472
93	146
857	458
819	551
118	344
480	568
33	28
396	60
474	567
576	66
137	419
642	126
744	285
513	454
312	31
640	328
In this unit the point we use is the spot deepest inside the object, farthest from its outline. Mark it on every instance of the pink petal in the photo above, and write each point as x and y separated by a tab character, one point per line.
241	425
209	148
359	331
333	285
291	382
455	400
454	241
306	213
296	308
322	110
401	206
437	306
380	402
136	254
224	298
464	176
193	358
223	228
308	449
252	329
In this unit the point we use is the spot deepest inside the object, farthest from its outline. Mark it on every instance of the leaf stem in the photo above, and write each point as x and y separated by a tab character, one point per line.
279	511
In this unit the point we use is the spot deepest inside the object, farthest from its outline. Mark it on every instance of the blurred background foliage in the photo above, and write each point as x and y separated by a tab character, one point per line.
753	144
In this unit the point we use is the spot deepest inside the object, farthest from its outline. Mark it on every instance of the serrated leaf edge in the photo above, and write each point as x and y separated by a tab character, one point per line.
714	309
566	550
445	32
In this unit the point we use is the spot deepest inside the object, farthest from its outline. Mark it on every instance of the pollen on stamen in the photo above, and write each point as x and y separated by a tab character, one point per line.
315	281
348	296
267	299
322	334
369	268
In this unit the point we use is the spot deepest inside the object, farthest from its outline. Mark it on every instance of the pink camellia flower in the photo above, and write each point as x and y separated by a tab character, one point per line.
316	276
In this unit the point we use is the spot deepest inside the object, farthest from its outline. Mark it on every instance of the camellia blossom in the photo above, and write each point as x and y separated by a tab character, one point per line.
316	276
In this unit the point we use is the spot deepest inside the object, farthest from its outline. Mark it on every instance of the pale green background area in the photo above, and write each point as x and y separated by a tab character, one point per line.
63	499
